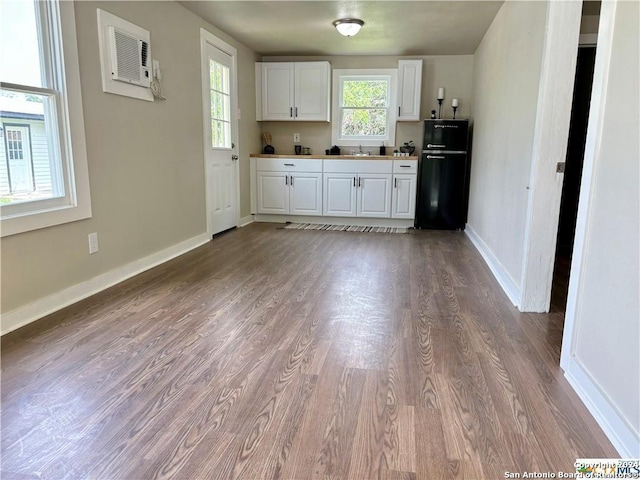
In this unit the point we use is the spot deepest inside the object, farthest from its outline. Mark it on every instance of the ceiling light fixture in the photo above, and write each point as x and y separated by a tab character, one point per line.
348	26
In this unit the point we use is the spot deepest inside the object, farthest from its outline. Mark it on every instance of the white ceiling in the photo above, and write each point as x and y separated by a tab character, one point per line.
286	28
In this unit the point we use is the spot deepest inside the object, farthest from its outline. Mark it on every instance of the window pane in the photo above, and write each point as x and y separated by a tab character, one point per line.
29	170
19	49
220	134
219	77
364	93
363	122
220	106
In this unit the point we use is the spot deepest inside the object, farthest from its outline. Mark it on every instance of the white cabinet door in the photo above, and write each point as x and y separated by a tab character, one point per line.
374	195
277	91
404	196
273	192
312	91
409	89
339	195
305	194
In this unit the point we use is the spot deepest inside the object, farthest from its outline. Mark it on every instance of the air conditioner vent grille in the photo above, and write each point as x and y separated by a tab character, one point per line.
128	63
145	48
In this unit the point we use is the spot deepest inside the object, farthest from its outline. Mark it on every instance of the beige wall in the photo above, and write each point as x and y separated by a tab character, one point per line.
454	72
145	160
607	312
507	67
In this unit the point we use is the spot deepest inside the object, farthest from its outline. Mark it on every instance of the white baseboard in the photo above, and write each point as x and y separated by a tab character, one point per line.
33	311
621	434
359	221
502	276
244	221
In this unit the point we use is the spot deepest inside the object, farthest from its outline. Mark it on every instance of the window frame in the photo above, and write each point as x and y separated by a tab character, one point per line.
60	66
226	108
342	75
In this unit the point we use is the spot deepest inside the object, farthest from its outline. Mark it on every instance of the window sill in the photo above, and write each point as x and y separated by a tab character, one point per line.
27	222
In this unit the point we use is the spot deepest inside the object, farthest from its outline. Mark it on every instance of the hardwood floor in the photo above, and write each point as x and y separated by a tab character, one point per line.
273	353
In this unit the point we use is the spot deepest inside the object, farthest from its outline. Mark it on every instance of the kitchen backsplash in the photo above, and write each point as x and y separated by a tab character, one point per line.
317	136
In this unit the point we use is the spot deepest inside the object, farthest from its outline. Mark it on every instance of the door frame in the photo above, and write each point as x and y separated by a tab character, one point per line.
551	135
591	160
208	38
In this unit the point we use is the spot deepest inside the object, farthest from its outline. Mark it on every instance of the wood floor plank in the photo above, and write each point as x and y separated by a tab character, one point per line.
271	353
367	457
399	442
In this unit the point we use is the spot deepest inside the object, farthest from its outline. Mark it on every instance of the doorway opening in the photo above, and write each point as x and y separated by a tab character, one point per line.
572	176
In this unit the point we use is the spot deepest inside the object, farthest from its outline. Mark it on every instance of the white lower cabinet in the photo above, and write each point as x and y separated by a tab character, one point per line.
339	194
403	202
337	187
374	195
357	188
305	193
405	183
357	195
284	187
273	196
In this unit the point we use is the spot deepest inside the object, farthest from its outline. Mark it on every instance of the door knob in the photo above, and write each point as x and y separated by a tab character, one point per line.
234	157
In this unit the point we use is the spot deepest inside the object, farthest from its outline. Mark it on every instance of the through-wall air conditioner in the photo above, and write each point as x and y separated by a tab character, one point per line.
129	57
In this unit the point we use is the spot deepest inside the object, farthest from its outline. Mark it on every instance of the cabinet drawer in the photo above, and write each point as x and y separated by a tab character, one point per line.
289	165
358	166
405	166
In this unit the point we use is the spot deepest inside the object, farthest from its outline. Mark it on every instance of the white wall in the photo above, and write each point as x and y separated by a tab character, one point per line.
506	77
602	330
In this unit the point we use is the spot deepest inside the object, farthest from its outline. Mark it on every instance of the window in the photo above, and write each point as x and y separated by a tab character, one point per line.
220	105
364	107
43	166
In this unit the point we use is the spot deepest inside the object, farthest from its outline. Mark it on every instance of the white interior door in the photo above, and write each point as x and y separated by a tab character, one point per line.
219	76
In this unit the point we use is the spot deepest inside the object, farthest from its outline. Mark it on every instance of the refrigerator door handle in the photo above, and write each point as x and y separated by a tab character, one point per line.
435	145
436	156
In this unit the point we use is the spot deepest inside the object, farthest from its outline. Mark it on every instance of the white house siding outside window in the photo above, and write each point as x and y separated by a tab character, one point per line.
43	167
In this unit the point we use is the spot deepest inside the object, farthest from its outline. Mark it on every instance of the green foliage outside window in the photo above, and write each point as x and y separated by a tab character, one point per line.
364	107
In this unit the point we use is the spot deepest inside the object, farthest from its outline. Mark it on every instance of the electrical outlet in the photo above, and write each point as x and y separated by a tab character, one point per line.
93	242
296	138
157	74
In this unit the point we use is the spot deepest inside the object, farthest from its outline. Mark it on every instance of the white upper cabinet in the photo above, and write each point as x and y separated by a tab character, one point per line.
409	89
277	91
293	91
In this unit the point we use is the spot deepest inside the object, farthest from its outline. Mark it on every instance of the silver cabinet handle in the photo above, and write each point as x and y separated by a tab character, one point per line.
296	112
286	179
398	110
405	166
289	164
291	112
395	183
436	156
354	181
359	180
435	145
291	180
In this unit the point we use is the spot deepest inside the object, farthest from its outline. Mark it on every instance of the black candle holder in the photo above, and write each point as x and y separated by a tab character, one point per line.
454	112
439	108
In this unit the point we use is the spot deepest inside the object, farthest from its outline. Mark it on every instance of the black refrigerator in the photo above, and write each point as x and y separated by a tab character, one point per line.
443	177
